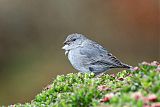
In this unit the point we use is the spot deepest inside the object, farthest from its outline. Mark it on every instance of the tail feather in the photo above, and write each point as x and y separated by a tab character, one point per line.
125	66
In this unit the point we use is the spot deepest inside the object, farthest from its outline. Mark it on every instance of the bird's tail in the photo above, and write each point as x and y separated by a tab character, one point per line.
126	66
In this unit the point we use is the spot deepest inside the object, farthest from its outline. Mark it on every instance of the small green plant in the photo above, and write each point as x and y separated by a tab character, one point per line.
130	88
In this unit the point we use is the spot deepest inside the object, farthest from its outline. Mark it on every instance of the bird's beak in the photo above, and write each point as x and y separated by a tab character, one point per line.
65	45
66	42
65	48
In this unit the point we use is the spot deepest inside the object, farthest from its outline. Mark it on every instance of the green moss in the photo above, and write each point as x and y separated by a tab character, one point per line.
84	90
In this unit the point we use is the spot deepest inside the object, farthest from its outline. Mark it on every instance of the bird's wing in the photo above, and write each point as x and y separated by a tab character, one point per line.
96	54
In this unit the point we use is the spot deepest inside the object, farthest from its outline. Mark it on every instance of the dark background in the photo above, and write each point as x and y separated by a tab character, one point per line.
32	32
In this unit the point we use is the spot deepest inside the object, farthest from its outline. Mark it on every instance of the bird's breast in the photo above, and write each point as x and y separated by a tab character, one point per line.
77	60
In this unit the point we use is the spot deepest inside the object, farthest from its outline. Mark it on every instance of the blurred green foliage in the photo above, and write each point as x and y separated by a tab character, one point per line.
132	88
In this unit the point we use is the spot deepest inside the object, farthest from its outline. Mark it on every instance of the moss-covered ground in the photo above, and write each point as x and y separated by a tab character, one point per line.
138	87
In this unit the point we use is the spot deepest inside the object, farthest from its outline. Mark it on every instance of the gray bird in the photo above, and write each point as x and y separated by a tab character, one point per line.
86	55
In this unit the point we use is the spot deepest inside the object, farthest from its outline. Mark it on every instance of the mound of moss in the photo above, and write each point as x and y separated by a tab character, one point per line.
137	87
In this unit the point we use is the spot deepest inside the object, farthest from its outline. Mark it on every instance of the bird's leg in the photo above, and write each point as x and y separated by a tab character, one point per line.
99	74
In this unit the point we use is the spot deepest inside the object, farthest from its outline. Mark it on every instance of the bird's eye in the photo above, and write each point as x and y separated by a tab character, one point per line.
73	39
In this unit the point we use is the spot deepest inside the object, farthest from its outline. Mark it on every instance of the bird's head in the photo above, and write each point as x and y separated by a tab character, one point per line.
73	41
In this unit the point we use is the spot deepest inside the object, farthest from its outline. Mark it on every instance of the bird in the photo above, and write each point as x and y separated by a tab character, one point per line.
88	56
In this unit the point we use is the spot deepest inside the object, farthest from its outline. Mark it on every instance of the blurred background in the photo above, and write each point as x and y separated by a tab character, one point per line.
32	33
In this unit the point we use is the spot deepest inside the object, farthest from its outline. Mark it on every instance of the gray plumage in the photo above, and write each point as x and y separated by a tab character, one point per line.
86	55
